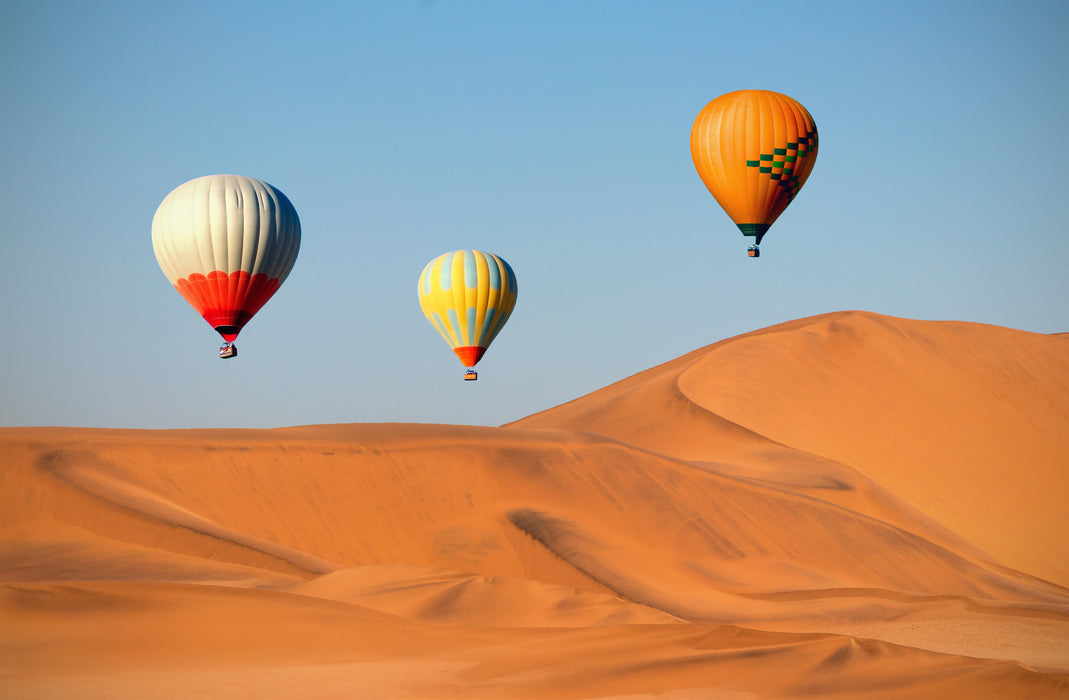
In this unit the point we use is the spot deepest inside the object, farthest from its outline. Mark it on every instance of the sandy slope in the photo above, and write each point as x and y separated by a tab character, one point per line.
968	423
849	506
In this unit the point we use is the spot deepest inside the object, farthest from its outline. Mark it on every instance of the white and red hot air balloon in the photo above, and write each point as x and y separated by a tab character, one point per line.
226	243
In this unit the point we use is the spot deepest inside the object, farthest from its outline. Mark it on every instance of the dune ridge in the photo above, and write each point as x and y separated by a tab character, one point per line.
873	506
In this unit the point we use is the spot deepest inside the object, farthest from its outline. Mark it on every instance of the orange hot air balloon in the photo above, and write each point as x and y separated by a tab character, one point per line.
754	149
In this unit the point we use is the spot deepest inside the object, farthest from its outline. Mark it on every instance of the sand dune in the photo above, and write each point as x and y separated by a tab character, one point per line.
942	415
849	505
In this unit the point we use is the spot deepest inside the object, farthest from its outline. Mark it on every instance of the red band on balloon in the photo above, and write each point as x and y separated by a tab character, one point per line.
469	354
227	301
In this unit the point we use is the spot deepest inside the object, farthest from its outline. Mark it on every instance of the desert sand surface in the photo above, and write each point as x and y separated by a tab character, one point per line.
848	506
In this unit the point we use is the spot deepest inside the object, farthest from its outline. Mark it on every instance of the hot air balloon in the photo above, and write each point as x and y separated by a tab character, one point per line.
754	149
226	243
468	296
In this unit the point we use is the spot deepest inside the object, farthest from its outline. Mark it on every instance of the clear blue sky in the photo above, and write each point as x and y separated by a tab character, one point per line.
555	134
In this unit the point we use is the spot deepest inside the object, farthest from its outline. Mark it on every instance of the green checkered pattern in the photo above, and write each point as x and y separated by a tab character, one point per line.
779	165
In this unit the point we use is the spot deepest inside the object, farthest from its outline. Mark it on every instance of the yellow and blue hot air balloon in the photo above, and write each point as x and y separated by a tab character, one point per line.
468	296
754	149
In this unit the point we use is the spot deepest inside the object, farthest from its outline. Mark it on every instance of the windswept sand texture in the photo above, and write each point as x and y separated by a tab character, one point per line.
849	506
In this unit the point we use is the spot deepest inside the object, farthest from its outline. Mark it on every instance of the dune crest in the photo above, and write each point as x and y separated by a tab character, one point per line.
427	593
872	506
942	415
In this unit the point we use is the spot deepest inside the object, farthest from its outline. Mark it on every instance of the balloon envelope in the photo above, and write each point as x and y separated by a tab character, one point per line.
754	149
468	296
226	243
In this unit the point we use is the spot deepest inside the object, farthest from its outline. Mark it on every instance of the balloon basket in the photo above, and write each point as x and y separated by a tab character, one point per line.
470	376
753	251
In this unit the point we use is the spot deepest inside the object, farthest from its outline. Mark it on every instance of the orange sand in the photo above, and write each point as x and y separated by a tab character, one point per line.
849	506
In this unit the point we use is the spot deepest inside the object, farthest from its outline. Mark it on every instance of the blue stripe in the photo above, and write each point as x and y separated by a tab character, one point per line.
485	332
471	325
495	272
512	278
437	321
471	271
452	313
497	327
427	279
